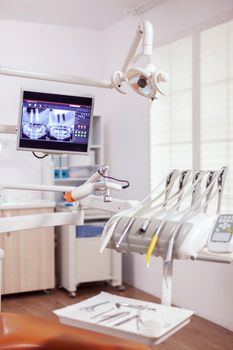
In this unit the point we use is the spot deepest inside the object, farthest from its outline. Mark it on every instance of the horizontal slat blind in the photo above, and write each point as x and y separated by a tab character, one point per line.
171	116
217	103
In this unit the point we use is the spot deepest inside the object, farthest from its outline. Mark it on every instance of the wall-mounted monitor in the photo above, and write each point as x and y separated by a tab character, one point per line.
53	123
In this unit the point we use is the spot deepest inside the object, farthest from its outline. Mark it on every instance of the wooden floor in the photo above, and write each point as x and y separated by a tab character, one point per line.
198	335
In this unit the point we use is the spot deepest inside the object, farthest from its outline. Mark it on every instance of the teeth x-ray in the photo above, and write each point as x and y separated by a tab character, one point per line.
54	122
48	124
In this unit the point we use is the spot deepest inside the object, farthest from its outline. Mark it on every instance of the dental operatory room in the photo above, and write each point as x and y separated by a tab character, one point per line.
116	181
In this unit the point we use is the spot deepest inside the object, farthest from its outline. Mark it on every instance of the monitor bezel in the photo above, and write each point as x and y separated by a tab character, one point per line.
53	150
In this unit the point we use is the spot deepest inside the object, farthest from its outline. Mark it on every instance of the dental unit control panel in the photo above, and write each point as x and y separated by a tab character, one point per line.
221	239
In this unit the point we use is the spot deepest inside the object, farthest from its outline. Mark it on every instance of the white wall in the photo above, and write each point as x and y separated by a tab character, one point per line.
203	287
41	48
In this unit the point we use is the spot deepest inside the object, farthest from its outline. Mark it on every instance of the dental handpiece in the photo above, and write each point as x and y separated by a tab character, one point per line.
221	183
139	210
208	182
172	176
171	214
170	180
184	178
128	226
175	197
196	186
194	210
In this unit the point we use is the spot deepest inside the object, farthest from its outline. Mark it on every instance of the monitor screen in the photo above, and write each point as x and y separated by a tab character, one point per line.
53	123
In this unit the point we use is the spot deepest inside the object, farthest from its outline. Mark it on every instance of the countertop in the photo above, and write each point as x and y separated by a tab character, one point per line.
27	204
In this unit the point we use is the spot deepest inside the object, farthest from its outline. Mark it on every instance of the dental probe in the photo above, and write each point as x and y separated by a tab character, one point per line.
190	214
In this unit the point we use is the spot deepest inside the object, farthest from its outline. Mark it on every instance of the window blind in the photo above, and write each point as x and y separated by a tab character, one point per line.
171	116
216	76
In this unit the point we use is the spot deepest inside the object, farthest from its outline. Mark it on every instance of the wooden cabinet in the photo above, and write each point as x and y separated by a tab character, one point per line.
28	262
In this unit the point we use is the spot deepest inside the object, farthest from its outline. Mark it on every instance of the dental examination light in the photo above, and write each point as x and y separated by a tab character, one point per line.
143	80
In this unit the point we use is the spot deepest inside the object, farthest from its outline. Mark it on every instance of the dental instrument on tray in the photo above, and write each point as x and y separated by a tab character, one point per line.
114	316
134	306
91	308
118	305
134	317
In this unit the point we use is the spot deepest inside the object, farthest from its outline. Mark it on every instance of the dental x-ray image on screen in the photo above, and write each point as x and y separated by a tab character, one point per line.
54	123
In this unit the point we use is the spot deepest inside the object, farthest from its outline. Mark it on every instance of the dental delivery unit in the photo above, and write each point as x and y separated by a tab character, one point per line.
171	222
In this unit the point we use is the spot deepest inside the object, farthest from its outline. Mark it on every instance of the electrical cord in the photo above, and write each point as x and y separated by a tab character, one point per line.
39	157
115	179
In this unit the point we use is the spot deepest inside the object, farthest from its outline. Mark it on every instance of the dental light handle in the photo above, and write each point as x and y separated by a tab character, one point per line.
147	41
86	189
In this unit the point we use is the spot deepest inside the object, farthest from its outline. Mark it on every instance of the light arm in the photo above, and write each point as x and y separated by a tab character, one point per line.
144	34
69	79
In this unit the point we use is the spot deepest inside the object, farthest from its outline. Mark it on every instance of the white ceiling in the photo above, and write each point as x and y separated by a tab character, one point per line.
89	14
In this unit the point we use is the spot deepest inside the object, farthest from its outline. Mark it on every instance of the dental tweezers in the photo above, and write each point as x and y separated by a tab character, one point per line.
115	316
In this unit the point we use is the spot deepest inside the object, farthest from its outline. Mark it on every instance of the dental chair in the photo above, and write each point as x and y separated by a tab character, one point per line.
25	332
